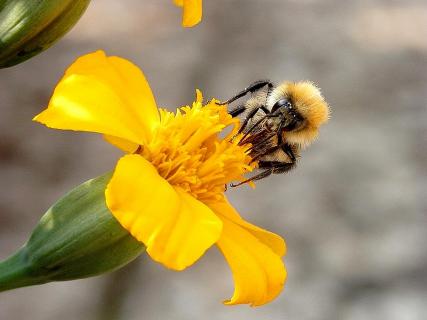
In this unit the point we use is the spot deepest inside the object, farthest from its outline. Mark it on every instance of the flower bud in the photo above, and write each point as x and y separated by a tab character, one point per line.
28	27
78	237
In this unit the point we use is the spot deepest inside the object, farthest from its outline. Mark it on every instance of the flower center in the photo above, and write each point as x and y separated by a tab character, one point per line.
188	151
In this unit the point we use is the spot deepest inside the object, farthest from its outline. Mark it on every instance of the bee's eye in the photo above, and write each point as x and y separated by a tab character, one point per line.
282	103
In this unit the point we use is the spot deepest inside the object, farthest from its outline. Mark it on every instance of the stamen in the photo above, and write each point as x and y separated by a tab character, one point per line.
188	152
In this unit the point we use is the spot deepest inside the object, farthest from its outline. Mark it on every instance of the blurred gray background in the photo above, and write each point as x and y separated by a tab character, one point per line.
354	212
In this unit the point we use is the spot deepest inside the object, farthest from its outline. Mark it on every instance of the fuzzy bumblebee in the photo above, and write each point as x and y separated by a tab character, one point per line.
279	121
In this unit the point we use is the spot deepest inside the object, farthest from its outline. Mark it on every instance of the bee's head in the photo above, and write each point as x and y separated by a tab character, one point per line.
304	110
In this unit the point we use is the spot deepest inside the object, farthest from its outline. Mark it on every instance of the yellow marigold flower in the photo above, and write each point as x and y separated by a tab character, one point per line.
192	11
168	191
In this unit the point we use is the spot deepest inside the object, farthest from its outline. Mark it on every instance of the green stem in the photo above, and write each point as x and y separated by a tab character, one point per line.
15	272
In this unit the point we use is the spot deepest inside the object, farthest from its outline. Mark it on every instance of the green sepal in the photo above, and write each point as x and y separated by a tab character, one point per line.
28	27
78	237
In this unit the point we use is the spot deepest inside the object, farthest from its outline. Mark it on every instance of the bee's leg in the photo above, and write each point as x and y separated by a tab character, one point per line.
259	176
268	115
252	88
263	108
242	108
280	166
248	118
289	152
285	147
237	111
284	168
270	167
264	152
276	166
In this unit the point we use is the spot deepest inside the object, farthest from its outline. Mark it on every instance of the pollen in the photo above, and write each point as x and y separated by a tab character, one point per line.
188	151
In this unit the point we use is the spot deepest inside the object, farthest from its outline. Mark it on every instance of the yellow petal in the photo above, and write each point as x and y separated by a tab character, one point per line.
272	240
103	94
259	274
123	144
176	228
192	14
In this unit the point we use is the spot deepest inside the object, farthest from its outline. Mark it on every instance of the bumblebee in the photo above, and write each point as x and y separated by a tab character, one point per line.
278	122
